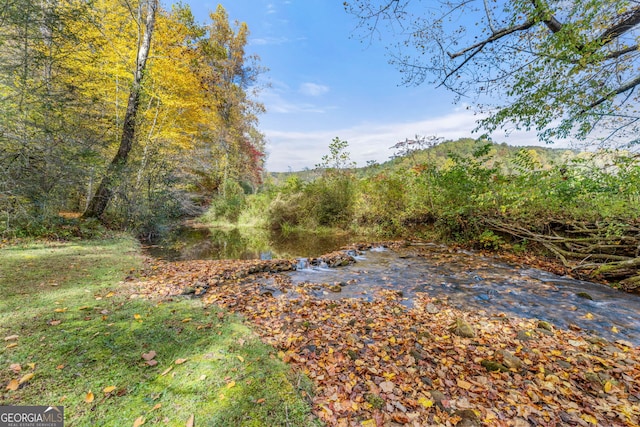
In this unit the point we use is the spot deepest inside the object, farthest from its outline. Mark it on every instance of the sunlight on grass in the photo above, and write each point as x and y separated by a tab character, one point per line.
83	338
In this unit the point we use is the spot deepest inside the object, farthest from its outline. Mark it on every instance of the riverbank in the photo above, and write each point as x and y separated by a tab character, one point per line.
378	362
75	334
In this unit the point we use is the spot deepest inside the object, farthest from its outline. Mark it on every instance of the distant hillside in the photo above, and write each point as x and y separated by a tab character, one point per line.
439	156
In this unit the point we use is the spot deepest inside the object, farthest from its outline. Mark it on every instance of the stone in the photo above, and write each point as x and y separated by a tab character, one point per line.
468	418
432	309
463	329
584	295
511	361
526	335
545	325
335	288
491	366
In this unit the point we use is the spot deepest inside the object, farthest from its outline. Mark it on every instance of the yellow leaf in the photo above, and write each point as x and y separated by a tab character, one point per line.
588	316
31	365
137	316
26	378
60	310
589	418
260	401
109	295
139	421
392	340
12	345
188	319
389	375
614	330
607	387
369	423
13	385
190	421
84	307
240	358
89	397
231	384
180	361
427	403
109	389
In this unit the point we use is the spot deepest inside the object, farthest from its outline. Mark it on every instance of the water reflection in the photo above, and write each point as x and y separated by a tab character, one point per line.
190	243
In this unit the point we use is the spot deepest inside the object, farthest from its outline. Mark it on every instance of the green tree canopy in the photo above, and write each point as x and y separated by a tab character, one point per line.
562	68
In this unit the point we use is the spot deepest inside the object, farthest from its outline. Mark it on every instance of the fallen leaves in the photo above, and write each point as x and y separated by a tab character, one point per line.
89	397
381	362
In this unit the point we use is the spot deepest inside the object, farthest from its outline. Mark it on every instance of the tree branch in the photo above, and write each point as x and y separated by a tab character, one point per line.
630	84
494	37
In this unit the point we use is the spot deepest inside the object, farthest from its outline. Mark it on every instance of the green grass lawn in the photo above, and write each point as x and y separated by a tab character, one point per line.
73	332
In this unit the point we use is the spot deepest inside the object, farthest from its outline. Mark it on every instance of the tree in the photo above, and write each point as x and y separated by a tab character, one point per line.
103	194
563	68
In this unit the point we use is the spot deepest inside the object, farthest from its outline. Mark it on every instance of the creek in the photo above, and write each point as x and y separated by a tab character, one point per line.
464	279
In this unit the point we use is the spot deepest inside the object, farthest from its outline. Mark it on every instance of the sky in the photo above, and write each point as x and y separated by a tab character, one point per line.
325	81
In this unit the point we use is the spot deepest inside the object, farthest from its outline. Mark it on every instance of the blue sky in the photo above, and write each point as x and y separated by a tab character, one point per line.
326	82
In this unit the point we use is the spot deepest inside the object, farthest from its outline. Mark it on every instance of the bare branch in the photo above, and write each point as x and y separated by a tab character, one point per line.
632	18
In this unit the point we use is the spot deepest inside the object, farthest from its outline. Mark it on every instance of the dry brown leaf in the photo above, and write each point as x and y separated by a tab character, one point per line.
149	356
11	337
180	361
13	385
139	421
15	367
152	362
166	371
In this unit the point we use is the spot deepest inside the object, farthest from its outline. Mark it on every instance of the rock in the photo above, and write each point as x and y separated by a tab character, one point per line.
511	361
584	295
432	309
468	418
545	325
491	366
526	335
335	288
438	399
463	329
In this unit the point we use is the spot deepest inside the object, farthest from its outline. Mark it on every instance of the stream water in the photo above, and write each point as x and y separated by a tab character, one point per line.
466	280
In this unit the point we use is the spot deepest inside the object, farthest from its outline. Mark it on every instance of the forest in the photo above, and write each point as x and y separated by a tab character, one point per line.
125	113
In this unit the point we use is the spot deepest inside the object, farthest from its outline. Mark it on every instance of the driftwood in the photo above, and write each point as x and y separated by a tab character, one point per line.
589	250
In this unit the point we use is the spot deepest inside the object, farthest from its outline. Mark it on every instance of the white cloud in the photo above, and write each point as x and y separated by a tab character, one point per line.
297	150
313	89
263	41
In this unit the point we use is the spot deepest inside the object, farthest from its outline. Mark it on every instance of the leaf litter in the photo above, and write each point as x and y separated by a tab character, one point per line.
379	363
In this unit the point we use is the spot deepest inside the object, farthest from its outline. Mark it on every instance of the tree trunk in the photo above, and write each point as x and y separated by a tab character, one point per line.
104	193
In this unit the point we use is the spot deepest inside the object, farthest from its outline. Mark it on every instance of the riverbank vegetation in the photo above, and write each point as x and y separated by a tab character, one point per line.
581	207
76	335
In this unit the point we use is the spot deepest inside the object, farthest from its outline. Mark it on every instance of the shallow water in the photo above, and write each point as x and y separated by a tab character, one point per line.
470	281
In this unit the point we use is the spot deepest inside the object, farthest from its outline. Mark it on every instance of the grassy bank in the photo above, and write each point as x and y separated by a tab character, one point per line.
76	335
